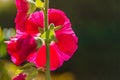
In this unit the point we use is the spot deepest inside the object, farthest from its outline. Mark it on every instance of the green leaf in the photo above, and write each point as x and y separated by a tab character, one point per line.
39	4
30	70
27	65
32	8
3	72
18	71
32	74
3	51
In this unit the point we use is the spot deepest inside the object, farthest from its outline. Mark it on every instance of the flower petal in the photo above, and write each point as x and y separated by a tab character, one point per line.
37	18
21	48
22	9
22	5
21	76
59	18
56	16
31	28
55	59
20	20
67	43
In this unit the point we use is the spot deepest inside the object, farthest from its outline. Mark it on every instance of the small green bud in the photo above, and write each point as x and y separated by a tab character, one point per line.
51	26
39	42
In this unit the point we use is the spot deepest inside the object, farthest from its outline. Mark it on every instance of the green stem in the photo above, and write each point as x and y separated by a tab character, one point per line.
46	14
47	61
47	43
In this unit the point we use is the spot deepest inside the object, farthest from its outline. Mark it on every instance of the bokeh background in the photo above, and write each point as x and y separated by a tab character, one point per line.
97	25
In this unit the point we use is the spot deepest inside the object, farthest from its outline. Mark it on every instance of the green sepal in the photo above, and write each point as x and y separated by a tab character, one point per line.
57	28
51	33
51	26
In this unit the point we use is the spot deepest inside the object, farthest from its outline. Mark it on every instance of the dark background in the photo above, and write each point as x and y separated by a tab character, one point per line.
97	25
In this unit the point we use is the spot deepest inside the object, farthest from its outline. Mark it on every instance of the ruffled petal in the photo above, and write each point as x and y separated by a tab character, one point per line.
37	18
32	56
55	59
21	48
22	5
31	28
20	20
67	44
56	16
21	17
59	18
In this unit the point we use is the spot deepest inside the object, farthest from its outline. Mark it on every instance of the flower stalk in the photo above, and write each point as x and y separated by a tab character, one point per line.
47	42
30	37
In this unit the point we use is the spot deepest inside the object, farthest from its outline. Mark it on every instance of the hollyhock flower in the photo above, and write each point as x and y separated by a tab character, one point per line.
20	77
60	51
66	44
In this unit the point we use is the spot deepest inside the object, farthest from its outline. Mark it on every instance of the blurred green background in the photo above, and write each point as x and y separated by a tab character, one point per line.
97	25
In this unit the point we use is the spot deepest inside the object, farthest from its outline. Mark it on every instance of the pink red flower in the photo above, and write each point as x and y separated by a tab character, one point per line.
20	77
60	51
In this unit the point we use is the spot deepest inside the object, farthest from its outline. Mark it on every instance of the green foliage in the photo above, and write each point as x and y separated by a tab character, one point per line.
2	45
39	4
28	69
5	34
1	35
32	8
2	49
3	72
